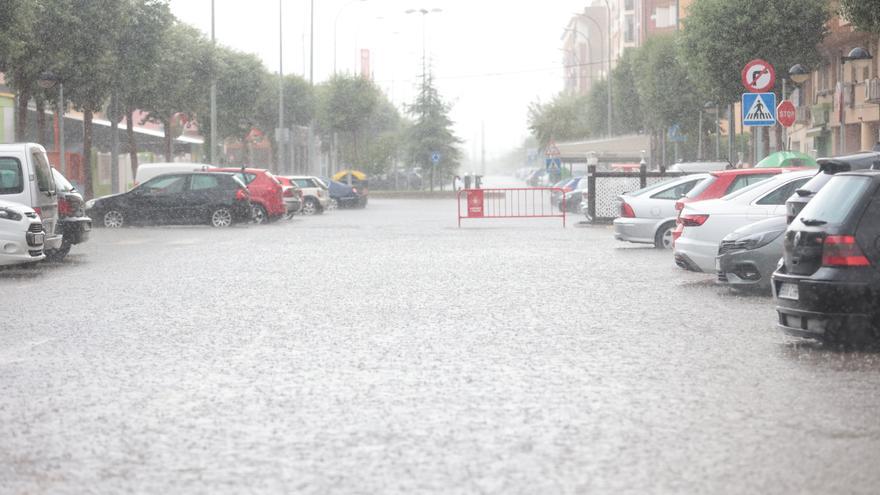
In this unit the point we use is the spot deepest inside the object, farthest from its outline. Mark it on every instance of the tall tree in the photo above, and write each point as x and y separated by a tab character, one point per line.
177	82
432	133
565	117
299	104
345	106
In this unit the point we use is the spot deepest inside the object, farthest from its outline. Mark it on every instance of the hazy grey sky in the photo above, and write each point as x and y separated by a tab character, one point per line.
490	58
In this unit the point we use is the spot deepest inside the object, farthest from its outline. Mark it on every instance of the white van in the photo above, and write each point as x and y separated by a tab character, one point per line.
147	171
25	177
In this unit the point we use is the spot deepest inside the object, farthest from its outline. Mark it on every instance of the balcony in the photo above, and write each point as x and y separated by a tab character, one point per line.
802	115
819	114
872	90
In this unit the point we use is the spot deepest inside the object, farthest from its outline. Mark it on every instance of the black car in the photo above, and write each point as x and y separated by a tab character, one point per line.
828	284
345	196
75	225
827	168
218	199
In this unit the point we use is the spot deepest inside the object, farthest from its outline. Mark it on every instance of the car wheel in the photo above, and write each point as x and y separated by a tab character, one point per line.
58	254
310	207
221	217
114	219
663	237
259	214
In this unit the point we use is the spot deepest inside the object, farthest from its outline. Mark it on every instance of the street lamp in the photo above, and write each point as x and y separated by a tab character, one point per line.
856	54
48	80
336	26
424	13
798	74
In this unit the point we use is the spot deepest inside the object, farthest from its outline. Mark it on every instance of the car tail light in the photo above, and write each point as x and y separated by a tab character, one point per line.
64	208
38	211
693	220
242	195
626	210
354	190
288	193
842	250
679	205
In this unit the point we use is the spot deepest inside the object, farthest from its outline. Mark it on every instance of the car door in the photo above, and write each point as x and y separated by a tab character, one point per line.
662	203
160	199
201	196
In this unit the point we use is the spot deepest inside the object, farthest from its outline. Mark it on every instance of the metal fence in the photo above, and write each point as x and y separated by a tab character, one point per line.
605	187
527	202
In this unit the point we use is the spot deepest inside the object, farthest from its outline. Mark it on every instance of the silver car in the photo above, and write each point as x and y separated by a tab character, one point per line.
648	215
748	255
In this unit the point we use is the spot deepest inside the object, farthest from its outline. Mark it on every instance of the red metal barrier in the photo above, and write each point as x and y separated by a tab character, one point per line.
523	202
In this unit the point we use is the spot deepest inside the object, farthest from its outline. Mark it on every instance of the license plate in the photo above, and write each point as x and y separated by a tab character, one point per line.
39	238
788	291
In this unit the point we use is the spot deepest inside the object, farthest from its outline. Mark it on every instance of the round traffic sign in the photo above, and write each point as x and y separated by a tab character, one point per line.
758	76
786	113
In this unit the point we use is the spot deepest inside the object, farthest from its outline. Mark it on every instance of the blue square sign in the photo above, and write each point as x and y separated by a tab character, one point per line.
759	109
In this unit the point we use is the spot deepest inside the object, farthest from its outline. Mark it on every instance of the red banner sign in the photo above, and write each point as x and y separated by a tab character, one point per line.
475	203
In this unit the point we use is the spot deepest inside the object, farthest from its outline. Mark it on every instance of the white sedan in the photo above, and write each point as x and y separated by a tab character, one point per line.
648	215
703	224
21	234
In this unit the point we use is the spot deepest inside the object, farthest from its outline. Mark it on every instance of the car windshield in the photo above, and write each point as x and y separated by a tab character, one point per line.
834	202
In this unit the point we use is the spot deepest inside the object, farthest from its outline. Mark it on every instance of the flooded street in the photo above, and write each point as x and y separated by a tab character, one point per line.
387	351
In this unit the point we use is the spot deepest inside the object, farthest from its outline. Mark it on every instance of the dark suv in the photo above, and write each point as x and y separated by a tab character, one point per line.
827	168
828	284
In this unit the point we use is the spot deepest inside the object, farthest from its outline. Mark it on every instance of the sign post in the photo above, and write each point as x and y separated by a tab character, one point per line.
759	105
758	76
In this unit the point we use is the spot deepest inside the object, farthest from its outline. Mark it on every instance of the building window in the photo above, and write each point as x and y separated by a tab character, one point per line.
629	35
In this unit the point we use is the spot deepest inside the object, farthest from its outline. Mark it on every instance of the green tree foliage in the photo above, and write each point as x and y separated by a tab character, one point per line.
864	14
178	80
566	117
627	104
432	133
299	104
667	93
348	108
720	36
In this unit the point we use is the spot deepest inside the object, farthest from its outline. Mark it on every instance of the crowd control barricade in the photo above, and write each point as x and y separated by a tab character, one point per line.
522	202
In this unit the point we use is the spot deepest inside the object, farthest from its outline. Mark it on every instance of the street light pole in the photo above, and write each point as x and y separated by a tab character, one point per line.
213	153
608	31
280	138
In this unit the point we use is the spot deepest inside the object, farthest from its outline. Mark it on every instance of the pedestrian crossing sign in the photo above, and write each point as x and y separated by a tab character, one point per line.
759	109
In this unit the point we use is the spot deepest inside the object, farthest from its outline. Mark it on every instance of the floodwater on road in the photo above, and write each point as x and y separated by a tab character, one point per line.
386	351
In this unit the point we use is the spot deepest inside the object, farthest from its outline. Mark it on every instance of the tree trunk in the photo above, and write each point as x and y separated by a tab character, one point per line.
87	152
41	121
21	124
166	124
132	142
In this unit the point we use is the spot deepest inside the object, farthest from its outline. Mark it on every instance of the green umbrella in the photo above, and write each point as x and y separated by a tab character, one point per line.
787	159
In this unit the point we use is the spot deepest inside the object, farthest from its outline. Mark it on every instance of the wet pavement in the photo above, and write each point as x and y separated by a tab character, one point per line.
386	351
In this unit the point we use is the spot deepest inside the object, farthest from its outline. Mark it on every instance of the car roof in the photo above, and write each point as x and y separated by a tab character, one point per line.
239	169
874	174
749	171
861	160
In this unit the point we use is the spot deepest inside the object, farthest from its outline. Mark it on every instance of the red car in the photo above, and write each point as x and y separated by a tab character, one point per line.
266	192
722	183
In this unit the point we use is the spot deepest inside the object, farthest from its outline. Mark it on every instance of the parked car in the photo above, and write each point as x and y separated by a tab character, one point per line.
343	195
218	199
293	196
267	195
648	215
26	178
358	180
566	186
828	284
748	255
21	234
725	182
696	167
316	198
147	171
702	225
828	167
75	225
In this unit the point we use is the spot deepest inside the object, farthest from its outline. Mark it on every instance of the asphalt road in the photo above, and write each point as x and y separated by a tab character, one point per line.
387	351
